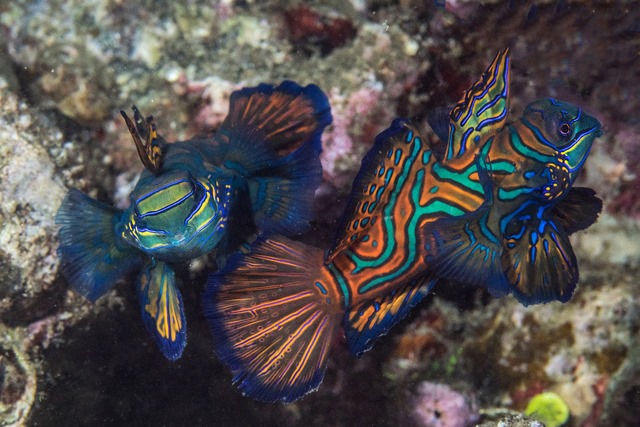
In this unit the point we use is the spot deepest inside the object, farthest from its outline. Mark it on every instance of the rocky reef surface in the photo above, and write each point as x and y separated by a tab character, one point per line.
67	67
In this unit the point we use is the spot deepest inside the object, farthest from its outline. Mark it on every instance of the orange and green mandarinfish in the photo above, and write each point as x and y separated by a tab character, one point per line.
259	171
483	202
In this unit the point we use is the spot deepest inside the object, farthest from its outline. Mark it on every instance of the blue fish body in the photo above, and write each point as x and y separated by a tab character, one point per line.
182	213
259	171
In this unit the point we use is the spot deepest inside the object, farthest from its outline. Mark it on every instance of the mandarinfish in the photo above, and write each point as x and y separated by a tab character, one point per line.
258	171
489	203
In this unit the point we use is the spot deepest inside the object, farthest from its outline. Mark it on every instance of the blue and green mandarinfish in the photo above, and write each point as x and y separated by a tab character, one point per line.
259	170
488	203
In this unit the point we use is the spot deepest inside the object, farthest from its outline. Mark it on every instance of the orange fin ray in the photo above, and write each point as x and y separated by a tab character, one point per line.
273	319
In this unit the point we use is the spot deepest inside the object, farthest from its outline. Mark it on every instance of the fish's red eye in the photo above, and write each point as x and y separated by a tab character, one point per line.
564	129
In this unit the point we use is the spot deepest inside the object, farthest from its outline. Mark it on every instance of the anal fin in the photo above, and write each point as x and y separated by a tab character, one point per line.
368	321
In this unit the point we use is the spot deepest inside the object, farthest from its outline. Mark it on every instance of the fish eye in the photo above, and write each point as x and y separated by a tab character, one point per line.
564	129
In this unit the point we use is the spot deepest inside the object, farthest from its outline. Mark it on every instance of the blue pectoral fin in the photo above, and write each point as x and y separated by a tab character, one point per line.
162	308
283	200
273	141
365	323
465	250
539	262
92	257
578	210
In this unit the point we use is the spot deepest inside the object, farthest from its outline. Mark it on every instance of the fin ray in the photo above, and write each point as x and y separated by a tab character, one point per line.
273	140
271	323
288	115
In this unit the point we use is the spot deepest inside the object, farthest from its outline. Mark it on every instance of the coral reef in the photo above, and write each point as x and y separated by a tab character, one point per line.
437	405
307	29
31	193
18	380
66	69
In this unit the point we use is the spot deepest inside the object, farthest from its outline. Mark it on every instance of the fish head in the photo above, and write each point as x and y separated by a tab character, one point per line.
565	130
177	215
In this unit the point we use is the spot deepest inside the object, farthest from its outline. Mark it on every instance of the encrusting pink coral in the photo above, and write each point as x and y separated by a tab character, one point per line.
437	405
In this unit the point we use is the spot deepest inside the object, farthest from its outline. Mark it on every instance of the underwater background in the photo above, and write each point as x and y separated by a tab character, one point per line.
461	357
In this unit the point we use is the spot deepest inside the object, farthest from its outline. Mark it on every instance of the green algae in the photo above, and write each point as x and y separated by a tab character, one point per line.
548	408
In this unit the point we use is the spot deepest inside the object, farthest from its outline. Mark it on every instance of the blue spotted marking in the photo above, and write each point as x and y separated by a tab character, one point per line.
397	157
321	287
426	157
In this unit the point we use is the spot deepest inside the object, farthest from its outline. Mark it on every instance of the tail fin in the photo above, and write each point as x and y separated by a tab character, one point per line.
273	139
91	258
273	317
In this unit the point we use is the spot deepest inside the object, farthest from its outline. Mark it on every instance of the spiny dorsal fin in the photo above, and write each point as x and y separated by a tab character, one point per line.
150	151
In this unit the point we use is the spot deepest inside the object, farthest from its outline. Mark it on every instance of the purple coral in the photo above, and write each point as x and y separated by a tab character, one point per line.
437	405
